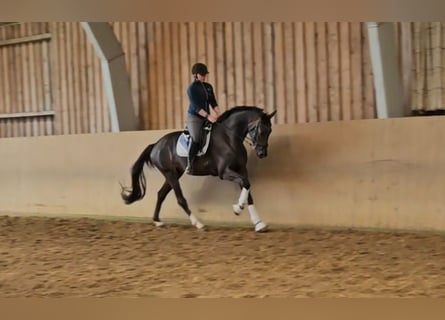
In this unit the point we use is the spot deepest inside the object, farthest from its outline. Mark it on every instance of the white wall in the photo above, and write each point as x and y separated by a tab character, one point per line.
363	173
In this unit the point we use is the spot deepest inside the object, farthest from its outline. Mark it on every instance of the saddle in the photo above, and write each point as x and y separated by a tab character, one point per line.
183	142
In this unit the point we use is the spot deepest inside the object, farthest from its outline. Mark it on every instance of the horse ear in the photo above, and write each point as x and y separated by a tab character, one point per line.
270	115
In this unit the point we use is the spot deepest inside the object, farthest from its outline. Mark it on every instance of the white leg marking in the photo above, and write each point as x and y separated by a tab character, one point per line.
259	225
195	222
238	208
243	197
159	223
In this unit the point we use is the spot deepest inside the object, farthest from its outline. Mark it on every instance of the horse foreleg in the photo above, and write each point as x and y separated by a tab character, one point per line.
245	197
244	184
260	226
239	206
162	194
183	204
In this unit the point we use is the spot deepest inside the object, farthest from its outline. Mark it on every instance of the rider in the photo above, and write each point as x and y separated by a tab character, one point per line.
201	95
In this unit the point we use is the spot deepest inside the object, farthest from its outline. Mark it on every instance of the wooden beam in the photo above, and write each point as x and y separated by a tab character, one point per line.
385	66
49	113
115	75
38	37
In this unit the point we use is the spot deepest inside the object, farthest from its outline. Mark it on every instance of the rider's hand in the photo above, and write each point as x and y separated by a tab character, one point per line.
211	118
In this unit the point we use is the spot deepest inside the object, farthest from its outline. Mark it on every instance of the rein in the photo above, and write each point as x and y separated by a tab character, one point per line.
247	138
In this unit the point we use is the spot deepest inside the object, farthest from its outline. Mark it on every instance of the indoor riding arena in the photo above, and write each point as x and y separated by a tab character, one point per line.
351	189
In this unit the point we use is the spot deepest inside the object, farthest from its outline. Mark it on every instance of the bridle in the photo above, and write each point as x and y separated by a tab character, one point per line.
253	128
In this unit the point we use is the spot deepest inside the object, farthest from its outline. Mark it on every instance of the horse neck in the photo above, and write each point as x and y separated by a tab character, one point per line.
238	123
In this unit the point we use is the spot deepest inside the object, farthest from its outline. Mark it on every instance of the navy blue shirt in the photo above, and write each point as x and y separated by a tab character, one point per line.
201	95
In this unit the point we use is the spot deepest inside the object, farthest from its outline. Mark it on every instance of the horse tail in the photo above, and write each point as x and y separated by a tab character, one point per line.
138	182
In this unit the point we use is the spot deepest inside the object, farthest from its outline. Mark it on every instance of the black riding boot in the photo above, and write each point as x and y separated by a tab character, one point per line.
193	151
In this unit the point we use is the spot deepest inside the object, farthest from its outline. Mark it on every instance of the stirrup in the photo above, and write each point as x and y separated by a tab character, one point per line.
188	168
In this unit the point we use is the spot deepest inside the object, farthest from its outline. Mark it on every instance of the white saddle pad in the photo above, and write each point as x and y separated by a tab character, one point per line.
182	145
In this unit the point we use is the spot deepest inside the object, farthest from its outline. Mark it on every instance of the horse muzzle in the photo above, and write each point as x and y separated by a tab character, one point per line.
261	152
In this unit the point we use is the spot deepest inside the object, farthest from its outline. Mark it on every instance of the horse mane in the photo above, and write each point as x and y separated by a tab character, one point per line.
226	114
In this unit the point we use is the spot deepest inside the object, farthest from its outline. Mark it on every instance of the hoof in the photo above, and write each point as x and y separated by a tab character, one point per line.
199	225
195	222
158	223
260	227
237	209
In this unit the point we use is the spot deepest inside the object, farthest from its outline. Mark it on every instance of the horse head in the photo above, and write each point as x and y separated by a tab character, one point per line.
259	131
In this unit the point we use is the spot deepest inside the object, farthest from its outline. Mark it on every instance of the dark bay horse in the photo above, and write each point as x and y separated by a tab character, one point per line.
226	158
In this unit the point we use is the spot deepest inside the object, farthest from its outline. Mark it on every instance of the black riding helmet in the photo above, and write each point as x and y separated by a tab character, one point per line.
200	68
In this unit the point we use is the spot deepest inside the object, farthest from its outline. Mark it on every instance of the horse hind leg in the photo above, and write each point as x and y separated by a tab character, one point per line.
183	203
162	194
